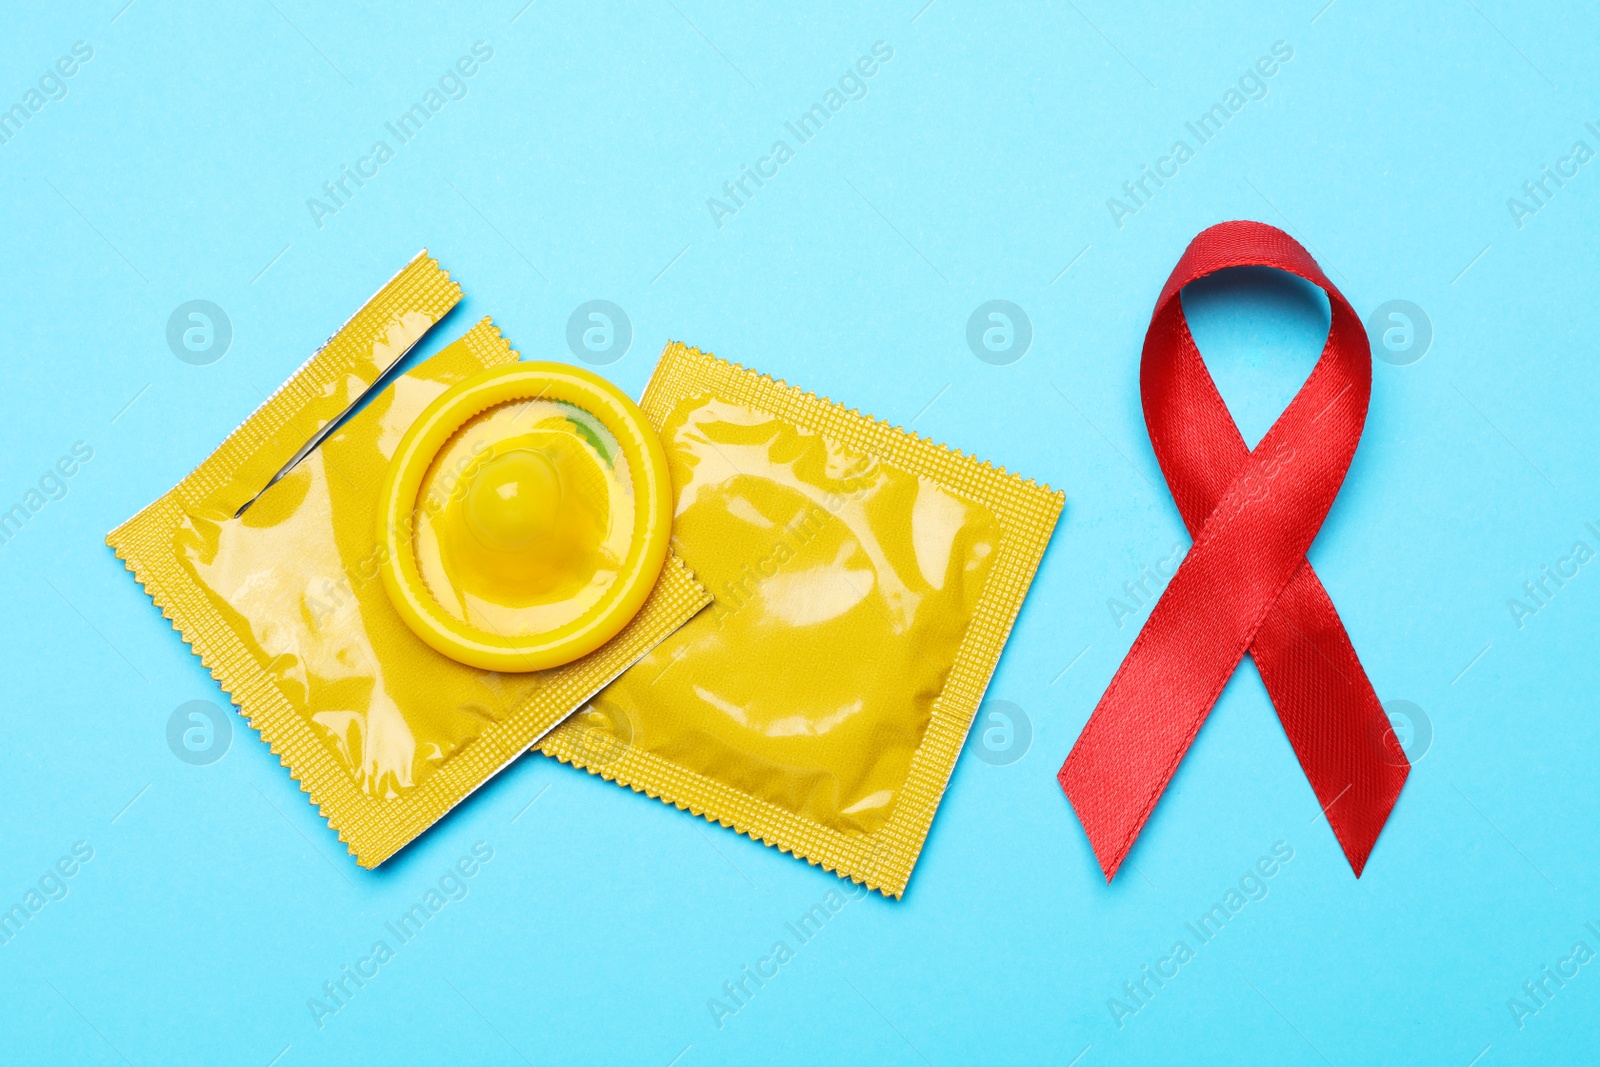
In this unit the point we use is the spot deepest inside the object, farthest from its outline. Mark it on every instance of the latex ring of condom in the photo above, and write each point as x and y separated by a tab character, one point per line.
524	517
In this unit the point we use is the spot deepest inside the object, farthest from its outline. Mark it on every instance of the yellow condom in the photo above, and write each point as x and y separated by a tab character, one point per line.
525	517
866	580
264	558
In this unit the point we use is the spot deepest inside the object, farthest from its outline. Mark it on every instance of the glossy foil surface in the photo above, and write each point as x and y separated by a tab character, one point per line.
298	574
844	586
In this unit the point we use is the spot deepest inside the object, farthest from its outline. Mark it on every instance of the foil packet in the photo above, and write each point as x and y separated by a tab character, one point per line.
266	562
866	580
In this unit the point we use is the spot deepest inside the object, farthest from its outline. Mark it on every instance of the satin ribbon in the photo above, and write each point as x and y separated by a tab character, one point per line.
1245	585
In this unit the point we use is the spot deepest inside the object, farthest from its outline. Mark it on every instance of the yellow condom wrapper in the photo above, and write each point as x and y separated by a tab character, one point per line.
866	581
283	602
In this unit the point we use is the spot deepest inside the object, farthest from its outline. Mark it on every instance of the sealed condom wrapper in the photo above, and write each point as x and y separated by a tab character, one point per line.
266	560
866	582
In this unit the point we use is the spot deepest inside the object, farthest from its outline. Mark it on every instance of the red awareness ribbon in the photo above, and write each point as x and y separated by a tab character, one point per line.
1245	584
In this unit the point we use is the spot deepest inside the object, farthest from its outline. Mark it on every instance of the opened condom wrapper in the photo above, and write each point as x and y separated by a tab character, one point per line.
265	560
866	582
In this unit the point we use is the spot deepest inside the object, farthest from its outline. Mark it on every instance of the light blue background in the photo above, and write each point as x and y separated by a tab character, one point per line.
978	167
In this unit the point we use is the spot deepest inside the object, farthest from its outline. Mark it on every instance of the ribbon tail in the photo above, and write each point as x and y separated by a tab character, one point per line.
1331	715
1109	838
1128	752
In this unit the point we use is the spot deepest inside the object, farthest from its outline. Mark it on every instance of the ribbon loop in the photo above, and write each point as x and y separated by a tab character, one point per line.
1245	585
